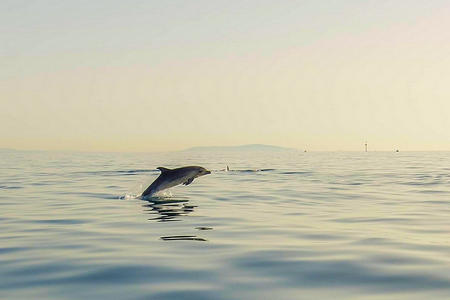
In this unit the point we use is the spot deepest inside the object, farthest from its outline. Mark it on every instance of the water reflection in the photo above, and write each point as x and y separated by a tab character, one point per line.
166	210
169	209
182	238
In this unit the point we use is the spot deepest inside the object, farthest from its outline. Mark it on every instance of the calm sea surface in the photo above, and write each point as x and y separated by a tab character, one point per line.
282	225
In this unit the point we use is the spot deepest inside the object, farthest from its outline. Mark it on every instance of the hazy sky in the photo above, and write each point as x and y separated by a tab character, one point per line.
165	75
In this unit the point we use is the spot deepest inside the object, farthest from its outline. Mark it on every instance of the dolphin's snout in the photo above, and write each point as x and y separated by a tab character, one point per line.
207	172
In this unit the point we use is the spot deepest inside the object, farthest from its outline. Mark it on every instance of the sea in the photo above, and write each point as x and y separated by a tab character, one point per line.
277	225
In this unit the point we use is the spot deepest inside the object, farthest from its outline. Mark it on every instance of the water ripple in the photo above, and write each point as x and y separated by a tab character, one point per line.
305	225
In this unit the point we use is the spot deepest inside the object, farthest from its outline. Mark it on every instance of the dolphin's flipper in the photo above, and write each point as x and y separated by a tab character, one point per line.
189	181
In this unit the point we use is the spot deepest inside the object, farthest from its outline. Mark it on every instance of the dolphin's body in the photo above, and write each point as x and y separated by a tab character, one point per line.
172	177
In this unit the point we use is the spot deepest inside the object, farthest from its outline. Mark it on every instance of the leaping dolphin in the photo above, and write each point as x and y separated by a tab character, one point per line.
172	177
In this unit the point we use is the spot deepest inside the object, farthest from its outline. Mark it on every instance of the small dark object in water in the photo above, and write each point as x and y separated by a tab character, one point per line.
203	228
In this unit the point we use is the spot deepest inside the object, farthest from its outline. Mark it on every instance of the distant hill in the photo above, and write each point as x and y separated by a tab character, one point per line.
251	147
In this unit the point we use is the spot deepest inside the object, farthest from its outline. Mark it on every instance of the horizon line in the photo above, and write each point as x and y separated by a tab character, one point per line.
166	151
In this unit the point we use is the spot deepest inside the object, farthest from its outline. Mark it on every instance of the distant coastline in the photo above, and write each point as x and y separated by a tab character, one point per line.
248	147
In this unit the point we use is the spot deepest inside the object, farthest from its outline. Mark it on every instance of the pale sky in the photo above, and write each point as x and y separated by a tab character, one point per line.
166	75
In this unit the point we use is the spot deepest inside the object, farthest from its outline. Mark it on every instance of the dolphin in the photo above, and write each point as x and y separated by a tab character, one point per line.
172	177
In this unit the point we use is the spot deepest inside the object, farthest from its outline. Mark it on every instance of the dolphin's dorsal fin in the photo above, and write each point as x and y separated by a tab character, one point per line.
163	170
